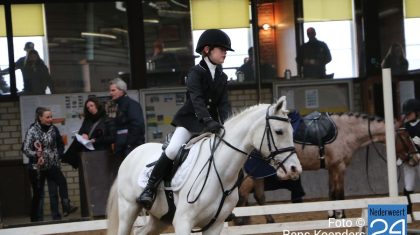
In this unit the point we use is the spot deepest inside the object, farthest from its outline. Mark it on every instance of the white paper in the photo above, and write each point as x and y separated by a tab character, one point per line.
87	143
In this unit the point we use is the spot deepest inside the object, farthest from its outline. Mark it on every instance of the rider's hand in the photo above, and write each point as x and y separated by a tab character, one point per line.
416	140
212	126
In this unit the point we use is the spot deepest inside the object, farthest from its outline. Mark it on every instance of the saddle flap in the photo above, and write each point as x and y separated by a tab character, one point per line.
316	129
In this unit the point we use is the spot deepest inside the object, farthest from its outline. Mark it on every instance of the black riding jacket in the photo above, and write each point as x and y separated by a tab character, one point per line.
205	98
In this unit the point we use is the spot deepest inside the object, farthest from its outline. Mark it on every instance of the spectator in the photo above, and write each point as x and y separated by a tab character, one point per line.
96	127
36	77
129	122
411	112
395	59
161	61
313	56
267	71
44	146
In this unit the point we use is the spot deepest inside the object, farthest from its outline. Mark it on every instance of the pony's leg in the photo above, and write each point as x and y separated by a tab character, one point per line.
245	189
214	229
336	188
182	225
128	212
152	227
259	196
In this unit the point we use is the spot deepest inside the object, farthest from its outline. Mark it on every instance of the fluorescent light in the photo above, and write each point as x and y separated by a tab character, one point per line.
99	35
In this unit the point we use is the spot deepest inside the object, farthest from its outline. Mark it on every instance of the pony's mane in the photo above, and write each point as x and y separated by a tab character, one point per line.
360	115
245	111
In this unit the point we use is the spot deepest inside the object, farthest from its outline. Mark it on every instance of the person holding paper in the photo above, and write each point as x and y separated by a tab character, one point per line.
96	133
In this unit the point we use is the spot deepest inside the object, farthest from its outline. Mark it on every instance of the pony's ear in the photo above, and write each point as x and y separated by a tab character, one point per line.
281	104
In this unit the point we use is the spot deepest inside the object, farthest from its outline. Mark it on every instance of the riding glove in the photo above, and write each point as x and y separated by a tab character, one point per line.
212	126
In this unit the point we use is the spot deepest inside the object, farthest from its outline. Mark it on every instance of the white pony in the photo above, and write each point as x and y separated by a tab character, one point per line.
210	193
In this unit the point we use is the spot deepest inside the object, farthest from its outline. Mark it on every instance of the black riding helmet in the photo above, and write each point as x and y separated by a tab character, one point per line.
411	105
213	38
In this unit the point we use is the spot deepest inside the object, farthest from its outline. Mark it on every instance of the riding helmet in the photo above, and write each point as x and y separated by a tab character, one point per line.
213	37
411	105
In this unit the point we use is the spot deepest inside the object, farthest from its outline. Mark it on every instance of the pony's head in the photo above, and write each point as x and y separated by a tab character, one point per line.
405	147
276	143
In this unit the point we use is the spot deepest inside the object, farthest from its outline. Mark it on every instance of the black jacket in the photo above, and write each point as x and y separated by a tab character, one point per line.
313	56
205	98
129	124
103	133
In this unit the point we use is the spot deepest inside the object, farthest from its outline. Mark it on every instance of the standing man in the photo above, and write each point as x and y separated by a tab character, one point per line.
20	63
129	120
313	56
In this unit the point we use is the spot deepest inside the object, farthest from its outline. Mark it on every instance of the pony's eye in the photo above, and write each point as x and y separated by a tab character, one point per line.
279	132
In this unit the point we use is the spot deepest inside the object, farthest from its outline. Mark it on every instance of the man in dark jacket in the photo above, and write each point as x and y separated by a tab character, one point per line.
313	56
129	120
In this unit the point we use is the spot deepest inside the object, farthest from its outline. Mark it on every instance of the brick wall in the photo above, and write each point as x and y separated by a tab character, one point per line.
10	137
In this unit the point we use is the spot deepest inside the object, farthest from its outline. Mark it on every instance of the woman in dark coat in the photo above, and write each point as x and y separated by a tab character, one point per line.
36	77
205	109
96	127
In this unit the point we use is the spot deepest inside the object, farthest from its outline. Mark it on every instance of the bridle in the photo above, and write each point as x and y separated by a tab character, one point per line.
273	152
272	144
268	133
409	154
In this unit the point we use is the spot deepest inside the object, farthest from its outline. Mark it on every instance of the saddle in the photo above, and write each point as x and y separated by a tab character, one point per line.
178	161
316	129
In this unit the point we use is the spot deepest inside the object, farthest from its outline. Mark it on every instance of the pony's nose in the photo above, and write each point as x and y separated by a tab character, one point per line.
293	169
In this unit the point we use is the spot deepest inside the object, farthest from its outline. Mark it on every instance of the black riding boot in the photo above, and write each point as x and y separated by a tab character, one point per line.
161	169
410	205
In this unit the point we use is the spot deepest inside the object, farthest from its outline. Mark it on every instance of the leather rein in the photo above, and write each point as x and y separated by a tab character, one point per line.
216	142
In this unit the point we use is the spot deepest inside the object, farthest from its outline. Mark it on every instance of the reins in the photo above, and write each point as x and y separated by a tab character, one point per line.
216	142
210	162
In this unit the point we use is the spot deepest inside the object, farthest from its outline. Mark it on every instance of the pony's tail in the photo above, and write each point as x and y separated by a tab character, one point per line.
112	209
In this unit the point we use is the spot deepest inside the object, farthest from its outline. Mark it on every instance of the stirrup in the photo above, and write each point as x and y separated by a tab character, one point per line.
148	202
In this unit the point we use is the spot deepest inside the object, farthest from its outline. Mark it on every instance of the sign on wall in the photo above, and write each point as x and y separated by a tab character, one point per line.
160	105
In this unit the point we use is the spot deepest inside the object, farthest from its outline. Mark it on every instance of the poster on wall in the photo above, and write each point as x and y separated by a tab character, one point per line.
67	111
160	105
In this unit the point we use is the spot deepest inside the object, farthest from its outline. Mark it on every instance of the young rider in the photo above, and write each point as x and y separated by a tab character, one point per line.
411	111
205	109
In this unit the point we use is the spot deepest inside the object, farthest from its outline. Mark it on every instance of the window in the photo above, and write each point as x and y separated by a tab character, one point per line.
4	55
335	16
341	45
82	49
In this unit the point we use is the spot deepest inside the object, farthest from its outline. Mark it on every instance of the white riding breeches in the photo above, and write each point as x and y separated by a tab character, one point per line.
180	137
410	175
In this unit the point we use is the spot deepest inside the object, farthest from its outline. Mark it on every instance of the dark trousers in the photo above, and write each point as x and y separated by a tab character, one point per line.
56	180
37	205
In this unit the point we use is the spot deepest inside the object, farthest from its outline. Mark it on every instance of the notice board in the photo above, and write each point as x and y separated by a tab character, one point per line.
320	95
160	106
67	111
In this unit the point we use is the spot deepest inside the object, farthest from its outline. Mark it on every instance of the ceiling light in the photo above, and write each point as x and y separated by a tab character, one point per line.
99	35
